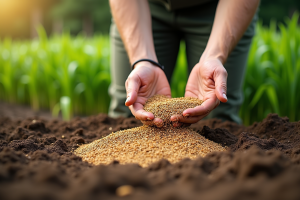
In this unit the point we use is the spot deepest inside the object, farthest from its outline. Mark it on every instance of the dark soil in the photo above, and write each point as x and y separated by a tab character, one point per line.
36	162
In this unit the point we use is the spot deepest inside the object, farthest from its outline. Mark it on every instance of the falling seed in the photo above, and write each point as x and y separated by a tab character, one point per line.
110	128
34	121
62	136
124	190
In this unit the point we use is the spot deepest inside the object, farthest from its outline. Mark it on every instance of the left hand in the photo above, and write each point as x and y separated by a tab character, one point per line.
207	82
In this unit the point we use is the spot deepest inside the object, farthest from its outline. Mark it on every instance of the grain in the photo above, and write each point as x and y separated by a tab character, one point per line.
145	144
124	190
163	107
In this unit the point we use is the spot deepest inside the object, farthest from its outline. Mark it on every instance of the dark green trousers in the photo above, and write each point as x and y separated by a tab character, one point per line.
193	25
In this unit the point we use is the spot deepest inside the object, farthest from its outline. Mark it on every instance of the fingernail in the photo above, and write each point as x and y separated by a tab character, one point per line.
224	95
187	115
128	98
148	118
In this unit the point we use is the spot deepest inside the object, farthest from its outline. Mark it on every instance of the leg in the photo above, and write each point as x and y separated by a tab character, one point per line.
119	70
166	37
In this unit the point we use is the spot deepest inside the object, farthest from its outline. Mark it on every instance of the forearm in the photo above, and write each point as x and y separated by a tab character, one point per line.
231	21
133	21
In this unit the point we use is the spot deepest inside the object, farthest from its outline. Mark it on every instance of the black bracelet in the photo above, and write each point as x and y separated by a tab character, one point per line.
151	61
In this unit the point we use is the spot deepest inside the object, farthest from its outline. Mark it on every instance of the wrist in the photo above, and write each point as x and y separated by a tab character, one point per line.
143	64
215	53
155	63
139	54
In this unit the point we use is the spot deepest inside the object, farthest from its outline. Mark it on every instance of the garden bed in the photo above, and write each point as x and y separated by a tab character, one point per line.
36	161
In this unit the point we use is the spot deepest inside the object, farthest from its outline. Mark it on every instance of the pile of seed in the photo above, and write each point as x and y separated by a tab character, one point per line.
163	107
145	144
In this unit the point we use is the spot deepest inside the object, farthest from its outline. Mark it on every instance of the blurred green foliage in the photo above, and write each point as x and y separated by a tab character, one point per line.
72	75
16	15
41	72
277	10
73	12
272	80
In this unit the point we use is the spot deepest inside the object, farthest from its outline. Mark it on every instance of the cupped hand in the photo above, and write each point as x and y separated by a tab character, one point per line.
207	82
143	82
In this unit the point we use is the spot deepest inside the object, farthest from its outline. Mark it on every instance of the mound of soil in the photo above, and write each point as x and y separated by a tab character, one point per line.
37	162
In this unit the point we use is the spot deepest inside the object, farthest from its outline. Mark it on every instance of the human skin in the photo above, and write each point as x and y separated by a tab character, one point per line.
207	80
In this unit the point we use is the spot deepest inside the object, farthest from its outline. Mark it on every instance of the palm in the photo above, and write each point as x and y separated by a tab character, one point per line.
207	82
201	84
152	82
143	83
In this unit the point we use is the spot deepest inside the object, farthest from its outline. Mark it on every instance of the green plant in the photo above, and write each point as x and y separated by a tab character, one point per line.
180	74
42	71
273	74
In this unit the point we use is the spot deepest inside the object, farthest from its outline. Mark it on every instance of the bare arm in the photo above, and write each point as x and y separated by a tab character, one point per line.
208	79
231	21
133	20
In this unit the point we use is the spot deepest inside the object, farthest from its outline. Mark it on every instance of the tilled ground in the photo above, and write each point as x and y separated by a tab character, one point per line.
36	162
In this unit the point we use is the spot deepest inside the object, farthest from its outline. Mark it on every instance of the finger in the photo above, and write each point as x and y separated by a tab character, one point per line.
138	111
181	121
221	84
156	122
175	118
182	125
177	124
148	123
186	124
132	84
191	120
185	121
204	109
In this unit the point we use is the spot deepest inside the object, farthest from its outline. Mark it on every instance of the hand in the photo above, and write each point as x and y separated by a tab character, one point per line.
143	82
207	82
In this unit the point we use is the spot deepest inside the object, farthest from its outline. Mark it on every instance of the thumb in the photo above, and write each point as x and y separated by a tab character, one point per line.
132	84
221	85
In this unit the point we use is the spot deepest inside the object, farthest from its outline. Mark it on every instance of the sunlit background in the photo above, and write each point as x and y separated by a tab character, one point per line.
19	18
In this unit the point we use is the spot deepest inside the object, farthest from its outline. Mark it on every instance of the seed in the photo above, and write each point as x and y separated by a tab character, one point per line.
163	107
124	190
145	144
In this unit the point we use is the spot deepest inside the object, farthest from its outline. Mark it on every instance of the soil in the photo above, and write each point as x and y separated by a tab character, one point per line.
36	161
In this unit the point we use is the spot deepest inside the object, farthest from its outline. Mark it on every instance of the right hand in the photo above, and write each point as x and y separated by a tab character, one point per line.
142	83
